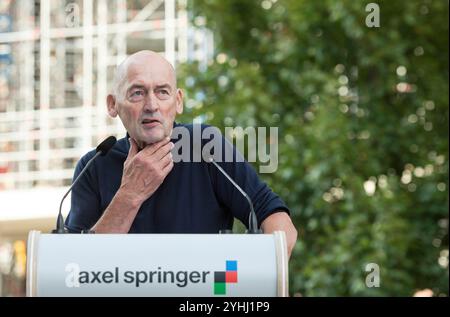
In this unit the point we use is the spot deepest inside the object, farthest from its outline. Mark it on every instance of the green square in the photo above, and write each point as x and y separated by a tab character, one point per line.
219	289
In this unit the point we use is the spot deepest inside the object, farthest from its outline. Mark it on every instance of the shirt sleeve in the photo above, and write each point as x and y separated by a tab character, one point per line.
265	201
85	199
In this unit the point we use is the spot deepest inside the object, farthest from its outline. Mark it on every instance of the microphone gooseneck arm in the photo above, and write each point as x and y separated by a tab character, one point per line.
102	150
252	220
60	221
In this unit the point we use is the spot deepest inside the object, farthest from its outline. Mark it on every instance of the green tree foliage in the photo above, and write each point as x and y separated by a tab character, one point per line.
363	121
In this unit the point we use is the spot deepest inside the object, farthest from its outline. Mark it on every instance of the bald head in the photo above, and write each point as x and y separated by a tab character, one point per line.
147	60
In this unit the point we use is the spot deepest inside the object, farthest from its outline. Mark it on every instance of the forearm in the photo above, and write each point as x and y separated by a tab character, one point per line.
280	221
118	216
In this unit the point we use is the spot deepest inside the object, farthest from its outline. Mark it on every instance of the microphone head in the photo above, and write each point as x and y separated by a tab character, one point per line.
106	145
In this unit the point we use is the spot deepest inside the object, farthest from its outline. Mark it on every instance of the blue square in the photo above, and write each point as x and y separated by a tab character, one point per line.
231	265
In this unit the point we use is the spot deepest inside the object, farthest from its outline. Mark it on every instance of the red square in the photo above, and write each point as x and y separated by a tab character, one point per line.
231	276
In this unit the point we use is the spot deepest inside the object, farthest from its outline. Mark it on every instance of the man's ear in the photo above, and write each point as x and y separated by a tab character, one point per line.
180	96
112	106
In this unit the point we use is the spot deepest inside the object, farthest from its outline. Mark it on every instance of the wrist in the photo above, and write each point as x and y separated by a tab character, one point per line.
130	199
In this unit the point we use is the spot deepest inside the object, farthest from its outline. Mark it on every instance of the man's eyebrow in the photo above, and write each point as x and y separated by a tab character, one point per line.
141	86
134	86
167	86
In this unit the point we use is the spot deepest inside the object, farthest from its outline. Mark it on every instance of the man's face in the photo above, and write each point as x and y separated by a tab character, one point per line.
147	100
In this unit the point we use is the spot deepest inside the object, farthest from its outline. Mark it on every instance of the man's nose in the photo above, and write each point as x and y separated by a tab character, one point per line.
151	103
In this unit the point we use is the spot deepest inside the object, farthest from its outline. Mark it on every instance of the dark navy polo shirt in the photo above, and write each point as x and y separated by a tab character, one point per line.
194	197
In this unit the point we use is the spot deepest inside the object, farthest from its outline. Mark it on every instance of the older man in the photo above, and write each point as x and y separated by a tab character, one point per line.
137	187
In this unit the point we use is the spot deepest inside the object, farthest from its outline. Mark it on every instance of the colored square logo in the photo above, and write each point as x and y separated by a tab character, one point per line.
231	277
219	277
219	289
222	278
231	266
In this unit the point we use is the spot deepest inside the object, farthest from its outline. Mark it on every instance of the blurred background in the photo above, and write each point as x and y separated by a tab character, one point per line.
362	114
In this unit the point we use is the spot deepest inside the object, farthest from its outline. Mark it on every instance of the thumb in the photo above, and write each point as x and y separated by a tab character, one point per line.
133	148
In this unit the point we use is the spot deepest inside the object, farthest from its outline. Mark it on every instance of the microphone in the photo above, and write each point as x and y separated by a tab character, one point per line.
252	219
101	150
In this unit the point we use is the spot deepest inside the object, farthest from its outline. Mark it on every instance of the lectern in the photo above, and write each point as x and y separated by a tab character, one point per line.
179	265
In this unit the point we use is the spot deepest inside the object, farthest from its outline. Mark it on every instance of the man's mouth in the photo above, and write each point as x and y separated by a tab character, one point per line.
150	123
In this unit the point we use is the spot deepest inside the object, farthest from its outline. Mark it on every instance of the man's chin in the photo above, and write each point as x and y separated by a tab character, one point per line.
154	137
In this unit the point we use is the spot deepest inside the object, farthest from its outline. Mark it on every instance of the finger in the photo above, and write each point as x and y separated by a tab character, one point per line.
152	148
162	151
164	161
166	169
133	148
